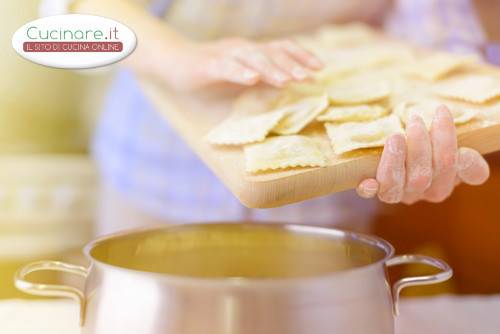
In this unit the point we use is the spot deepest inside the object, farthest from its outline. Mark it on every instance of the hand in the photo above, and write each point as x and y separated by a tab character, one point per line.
241	62
424	166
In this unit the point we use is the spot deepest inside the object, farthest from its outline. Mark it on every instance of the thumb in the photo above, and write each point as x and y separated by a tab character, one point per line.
368	188
472	167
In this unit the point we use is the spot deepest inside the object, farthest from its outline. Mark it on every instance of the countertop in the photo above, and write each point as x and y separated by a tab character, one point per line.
437	315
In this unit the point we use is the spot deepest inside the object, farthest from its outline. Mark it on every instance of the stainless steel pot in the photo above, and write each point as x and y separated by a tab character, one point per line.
236	278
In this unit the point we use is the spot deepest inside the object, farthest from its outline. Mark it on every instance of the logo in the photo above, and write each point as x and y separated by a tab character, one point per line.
74	41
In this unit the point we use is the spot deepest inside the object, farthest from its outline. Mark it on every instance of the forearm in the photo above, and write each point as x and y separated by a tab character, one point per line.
186	65
157	44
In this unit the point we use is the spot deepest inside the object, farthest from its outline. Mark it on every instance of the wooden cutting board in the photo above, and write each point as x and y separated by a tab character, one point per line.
194	115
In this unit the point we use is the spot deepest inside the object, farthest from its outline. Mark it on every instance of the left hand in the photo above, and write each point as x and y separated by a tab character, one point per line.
237	61
424	165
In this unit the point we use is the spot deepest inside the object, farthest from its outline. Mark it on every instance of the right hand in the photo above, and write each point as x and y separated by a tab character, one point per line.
424	165
239	61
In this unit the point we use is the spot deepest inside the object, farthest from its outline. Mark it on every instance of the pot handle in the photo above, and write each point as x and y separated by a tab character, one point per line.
52	290
442	276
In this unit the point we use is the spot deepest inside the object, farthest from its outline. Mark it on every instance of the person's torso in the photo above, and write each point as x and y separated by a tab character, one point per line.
263	18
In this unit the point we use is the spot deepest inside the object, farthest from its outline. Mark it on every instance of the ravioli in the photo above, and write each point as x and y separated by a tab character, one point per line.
330	43
255	101
359	92
299	114
284	152
364	112
365	79
305	89
342	62
346	137
342	35
239	131
470	88
437	65
461	113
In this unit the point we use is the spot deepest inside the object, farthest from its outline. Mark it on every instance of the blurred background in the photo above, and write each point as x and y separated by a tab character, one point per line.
47	180
465	229
48	183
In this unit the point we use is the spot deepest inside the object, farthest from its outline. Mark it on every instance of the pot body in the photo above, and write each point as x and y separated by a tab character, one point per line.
233	278
357	302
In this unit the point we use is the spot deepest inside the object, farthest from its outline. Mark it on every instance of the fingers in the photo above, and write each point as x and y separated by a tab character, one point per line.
287	64
444	158
232	71
299	54
424	166
253	58
419	159
472	167
368	188
391	170
274	63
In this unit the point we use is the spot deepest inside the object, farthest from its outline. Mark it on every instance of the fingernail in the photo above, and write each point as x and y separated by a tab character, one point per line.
395	144
281	78
318	63
249	75
370	189
367	191
363	192
414	117
442	112
315	62
299	73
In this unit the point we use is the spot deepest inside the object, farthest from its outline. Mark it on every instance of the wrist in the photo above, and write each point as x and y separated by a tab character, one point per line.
168	51
163	57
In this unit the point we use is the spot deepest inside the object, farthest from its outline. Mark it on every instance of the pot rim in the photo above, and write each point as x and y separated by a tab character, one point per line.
295	228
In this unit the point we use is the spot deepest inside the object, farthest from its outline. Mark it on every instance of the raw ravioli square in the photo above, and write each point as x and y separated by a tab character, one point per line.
461	112
356	113
300	114
359	92
245	130
346	137
282	152
437	65
470	88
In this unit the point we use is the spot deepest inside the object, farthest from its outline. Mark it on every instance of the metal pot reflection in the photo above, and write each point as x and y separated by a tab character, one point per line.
236	278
